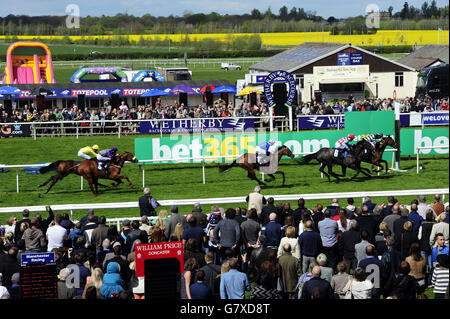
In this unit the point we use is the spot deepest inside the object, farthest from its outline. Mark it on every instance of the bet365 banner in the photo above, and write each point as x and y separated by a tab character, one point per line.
192	148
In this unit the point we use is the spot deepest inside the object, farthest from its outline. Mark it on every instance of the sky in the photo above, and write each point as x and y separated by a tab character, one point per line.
324	8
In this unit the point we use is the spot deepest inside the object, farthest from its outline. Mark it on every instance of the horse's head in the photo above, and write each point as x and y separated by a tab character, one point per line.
389	141
127	156
284	150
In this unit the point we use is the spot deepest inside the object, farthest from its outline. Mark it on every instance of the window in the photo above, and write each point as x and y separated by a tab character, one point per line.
300	81
398	78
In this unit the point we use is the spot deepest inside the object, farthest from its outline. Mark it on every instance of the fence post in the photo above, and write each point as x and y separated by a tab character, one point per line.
143	175
120	128
418	150
17	178
77	129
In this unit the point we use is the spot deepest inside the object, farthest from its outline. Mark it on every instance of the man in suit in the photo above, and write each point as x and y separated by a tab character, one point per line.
316	287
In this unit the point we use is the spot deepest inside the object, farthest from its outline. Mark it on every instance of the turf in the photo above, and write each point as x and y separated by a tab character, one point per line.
184	181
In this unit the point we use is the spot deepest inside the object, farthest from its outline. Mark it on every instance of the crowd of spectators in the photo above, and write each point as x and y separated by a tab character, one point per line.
265	250
407	105
219	109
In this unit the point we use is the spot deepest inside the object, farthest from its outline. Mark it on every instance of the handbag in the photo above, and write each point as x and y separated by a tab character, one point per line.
349	294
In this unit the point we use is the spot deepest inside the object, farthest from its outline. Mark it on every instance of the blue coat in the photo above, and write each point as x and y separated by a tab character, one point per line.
112	282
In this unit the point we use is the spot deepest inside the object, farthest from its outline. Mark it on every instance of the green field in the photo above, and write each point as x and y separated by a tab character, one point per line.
183	181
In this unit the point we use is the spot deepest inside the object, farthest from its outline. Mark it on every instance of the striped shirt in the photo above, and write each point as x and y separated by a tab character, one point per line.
440	280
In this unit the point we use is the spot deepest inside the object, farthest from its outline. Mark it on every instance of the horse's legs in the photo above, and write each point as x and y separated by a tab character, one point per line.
252	175
54	179
48	181
90	179
330	171
272	178
119	177
282	174
321	169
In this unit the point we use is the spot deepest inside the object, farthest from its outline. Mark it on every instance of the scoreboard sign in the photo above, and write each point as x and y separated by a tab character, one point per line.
38	276
172	249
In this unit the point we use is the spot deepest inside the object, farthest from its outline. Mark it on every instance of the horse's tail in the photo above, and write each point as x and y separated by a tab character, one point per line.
305	159
51	167
223	168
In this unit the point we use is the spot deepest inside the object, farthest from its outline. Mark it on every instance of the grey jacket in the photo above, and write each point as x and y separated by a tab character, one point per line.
171	222
34	239
227	232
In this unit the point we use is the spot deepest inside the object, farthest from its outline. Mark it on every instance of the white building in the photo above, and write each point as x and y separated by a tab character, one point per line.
334	70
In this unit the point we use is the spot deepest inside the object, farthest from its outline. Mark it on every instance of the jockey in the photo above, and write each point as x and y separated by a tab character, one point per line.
86	151
372	141
264	150
342	144
105	156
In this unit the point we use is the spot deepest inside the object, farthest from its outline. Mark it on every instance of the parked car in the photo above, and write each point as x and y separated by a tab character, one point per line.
230	66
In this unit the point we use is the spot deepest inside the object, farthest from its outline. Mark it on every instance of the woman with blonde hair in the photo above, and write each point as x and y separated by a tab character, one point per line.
96	280
380	238
177	233
11	224
292	240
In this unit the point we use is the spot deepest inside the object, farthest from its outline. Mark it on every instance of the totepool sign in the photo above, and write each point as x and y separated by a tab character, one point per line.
278	76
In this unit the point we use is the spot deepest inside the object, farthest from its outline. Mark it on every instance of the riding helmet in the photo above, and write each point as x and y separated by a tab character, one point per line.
95	147
351	136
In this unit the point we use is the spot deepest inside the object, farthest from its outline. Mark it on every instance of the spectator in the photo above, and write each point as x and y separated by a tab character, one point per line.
266	282
326	272
407	237
418	265
55	234
398	226
96	280
9	265
440	248
65	291
173	220
75	233
391	262
366	222
200	290
440	228
16	290
328	229
360	248
201	219
343	223
351	208
298	213
272	231
437	206
440	277
113	283
358	287
195	232
339	280
424	240
404	284
250	230
25	219
317	287
258	256
177	234
211	271
191	250
372	265
84	219
391	218
87	230
134	235
99	234
415	218
290	271
380	238
347	243
229	232
387	210
147	204
256	200
292	240
11	224
233	284
423	207
82	273
100	255
145	225
34	237
310	244
270	208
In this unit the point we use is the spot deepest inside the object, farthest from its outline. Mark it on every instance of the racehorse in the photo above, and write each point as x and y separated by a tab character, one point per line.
377	157
248	162
325	156
89	171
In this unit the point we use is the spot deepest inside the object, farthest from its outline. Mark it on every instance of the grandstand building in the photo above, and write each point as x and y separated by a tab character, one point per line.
334	70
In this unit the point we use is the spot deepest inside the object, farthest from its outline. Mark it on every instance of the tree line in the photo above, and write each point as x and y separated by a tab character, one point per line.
428	16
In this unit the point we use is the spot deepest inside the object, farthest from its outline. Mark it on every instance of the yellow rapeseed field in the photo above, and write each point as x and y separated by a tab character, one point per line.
382	37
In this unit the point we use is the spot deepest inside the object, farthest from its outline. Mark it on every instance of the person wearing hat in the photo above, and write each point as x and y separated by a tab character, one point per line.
342	144
371	141
105	156
173	220
88	152
147	204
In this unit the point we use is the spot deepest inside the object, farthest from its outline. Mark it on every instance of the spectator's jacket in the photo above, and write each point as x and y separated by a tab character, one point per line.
326	292
34	239
272	231
113	284
229	233
438	251
347	243
87	232
310	243
147	205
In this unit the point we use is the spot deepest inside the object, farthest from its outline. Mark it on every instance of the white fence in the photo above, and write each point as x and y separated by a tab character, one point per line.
224	200
425	148
131	127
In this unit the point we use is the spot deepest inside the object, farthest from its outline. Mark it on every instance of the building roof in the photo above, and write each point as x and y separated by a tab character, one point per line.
425	56
298	56
307	53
